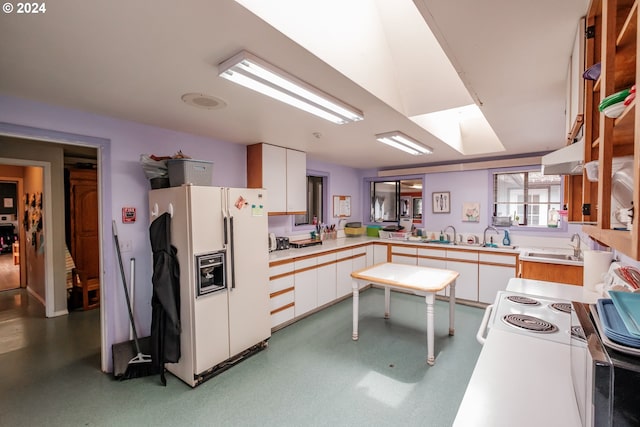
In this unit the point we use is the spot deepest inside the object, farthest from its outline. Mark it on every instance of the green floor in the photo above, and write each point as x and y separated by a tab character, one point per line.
312	373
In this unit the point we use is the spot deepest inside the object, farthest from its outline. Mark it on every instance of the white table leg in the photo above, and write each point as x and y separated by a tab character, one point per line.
356	303
429	299
452	307
387	302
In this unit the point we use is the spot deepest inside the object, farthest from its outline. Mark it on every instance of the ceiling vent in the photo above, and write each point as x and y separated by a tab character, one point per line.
200	100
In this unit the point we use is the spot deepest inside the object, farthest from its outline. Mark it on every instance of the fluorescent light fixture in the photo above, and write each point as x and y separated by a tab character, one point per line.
402	142
254	73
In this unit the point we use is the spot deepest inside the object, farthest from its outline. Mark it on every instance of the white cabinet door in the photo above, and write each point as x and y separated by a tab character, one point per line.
379	253
306	291
343	277
467	282
306	285
369	249
359	262
326	278
493	279
274	178
494	273
296	181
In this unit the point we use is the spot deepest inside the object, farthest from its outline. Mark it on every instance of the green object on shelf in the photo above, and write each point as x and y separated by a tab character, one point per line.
613	99
372	230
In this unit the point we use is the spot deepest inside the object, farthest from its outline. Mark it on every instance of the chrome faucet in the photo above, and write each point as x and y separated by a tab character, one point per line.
455	240
484	238
576	248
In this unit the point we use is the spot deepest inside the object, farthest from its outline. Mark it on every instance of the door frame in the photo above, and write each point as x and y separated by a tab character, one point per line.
103	147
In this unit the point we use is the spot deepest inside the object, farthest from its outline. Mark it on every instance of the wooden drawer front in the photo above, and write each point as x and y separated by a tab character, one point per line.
498	259
432	253
279	269
279	300
462	255
282	316
323	259
408	250
281	283
306	262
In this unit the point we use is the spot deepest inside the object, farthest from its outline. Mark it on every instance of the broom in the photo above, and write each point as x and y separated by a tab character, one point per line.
128	359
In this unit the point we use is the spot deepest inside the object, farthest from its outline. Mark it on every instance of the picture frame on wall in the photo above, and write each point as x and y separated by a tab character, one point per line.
441	202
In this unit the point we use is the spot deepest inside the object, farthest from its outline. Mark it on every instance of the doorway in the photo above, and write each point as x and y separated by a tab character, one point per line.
22	152
9	249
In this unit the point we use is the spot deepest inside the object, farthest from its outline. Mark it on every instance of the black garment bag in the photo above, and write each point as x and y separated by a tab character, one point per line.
165	302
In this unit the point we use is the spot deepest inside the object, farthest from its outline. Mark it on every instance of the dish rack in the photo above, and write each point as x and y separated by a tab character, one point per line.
394	235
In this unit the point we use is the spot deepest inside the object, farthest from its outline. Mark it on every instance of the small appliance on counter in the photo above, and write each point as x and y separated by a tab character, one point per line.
282	243
305	243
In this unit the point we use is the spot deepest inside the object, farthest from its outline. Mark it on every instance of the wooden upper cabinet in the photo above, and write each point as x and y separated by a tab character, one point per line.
283	173
613	29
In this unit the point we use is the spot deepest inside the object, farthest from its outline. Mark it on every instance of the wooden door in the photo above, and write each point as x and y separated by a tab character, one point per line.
83	212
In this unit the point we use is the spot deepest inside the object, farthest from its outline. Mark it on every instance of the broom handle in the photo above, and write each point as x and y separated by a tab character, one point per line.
132	292
124	285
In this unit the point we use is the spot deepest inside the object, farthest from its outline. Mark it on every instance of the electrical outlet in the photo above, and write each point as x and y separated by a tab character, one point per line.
126	245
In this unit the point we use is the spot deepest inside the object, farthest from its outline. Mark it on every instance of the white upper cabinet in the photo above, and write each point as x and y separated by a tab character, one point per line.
296	181
283	172
575	83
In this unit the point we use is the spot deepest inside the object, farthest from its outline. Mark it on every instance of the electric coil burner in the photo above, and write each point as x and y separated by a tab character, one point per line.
563	307
530	323
520	299
537	316
578	333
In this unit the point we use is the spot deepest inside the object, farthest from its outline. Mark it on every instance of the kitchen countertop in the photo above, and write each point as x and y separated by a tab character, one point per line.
553	290
504	391
346	242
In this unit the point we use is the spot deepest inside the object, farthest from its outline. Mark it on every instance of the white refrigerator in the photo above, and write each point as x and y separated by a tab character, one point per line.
222	249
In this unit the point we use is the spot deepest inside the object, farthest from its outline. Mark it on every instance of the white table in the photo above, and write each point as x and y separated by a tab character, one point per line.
424	281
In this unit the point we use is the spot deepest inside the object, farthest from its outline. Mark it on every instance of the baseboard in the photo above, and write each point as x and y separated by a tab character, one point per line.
41	300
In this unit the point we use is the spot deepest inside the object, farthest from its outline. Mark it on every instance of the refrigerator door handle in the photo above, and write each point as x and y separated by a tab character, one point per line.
226	238
232	257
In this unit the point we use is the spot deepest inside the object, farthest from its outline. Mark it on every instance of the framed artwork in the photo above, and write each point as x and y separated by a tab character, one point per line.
441	202
471	212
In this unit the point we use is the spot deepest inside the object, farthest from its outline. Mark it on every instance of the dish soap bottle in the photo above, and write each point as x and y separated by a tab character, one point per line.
506	241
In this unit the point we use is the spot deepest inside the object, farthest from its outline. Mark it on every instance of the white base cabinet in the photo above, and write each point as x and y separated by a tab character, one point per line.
281	293
494	272
326	278
301	285
306	285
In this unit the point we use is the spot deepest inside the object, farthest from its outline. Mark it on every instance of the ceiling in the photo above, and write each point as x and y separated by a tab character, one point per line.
135	60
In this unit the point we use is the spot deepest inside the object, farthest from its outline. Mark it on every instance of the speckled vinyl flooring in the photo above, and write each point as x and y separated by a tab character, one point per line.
311	374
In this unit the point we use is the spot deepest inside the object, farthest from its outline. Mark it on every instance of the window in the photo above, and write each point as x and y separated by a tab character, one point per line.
315	201
526	196
392	200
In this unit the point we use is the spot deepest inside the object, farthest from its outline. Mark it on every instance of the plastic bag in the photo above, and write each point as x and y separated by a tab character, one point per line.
154	168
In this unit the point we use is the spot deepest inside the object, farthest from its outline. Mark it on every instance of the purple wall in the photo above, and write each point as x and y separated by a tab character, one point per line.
125	185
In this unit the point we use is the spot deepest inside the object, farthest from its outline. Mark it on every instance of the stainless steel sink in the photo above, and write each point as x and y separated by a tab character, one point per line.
564	257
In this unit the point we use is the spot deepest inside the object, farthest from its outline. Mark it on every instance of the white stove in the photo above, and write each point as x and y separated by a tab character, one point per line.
540	357
535	316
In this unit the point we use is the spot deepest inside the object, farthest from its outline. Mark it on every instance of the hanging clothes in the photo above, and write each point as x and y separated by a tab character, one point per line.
165	302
